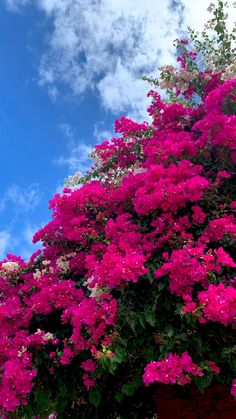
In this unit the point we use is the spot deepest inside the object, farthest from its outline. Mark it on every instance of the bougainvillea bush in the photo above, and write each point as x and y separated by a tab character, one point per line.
135	282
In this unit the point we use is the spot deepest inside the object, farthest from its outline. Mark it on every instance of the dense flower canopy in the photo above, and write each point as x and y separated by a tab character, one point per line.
136	277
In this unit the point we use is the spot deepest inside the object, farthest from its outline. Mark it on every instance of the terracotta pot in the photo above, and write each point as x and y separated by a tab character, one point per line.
175	402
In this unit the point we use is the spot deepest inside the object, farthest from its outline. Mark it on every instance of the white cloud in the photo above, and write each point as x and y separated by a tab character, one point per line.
18	244
5	239
25	246
28	233
17	202
16	5
22	199
77	159
100	134
116	96
196	13
106	45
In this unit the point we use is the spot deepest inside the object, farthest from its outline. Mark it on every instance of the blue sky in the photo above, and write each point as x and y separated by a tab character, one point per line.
67	70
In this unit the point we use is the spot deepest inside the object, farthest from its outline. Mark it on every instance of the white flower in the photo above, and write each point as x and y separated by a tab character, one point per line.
230	72
20	353
63	264
37	274
211	7
9	267
46	262
187	75
48	336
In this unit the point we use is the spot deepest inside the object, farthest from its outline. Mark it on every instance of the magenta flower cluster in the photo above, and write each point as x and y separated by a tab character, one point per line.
161	199
174	369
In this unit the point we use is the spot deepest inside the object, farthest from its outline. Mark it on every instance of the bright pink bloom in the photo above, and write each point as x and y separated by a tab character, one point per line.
233	388
219	303
175	369
89	365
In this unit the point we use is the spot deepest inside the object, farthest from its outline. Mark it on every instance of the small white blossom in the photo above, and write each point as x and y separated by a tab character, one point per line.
63	264
48	336
23	350
211	7
46	262
37	274
10	267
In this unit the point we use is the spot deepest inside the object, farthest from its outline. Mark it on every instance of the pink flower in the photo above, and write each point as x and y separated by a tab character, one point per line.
219	303
223	258
198	215
214	367
162	201
88	382
233	388
189	307
175	369
89	365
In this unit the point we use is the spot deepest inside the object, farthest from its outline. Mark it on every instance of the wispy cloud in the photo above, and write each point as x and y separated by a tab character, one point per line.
17	204
20	243
101	134
28	233
77	158
25	246
22	199
16	5
5	238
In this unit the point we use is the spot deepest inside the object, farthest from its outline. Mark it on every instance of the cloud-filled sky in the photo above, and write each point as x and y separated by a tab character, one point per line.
68	68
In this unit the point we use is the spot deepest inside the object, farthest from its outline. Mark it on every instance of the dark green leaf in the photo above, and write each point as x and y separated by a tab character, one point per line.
95	396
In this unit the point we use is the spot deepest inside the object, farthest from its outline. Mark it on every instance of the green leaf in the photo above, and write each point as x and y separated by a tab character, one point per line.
150	317
120	355
202	382
132	324
150	277
129	388
43	400
161	286
182	336
141	321
111	365
61	405
62	389
233	365
169	330
119	396
95	396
